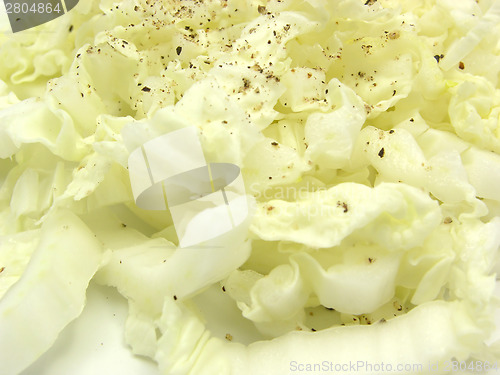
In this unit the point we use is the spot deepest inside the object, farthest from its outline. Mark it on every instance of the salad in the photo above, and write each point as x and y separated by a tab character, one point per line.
366	136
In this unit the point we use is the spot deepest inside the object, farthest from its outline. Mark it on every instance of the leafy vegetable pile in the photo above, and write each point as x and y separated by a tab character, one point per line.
368	137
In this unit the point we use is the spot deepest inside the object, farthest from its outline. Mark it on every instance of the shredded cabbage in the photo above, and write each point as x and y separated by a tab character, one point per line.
368	138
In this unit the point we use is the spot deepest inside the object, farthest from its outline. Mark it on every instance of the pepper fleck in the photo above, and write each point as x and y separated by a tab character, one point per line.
175	297
178	50
394	35
344	206
146	89
461	65
381	152
438	57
